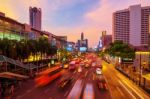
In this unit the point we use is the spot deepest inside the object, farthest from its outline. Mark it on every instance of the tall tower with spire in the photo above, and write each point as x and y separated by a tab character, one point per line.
82	36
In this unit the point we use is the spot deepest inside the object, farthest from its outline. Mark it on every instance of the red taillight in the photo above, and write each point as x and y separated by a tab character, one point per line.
105	86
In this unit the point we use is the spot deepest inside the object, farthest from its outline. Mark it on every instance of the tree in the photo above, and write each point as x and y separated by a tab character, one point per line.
52	50
12	51
120	49
4	43
33	46
23	49
43	45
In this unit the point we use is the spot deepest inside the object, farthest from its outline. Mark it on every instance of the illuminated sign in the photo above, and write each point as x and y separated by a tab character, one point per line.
127	60
10	36
83	49
69	48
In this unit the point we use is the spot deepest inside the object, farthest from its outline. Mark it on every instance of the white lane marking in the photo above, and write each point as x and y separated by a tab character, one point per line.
18	97
127	89
134	90
120	91
66	93
86	73
119	76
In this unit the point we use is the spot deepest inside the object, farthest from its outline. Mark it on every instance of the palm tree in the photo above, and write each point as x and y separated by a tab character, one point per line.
12	53
43	45
24	49
4	46
33	46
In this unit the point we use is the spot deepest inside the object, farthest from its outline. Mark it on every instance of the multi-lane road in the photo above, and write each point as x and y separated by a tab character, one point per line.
119	87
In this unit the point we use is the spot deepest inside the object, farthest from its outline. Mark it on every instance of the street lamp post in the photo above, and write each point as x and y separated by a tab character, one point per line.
149	60
140	71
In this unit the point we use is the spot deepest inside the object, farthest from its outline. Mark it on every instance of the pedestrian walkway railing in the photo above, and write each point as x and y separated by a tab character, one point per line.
17	67
17	63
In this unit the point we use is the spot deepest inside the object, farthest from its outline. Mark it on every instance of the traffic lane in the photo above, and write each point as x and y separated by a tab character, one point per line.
54	92
104	93
78	75
40	92
34	92
118	91
123	86
51	90
91	78
132	89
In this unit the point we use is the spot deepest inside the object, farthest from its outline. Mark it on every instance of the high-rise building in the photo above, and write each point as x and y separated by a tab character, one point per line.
106	39
82	42
35	17
82	36
132	25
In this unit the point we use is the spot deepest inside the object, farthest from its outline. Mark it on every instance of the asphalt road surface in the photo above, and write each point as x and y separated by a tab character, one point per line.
119	87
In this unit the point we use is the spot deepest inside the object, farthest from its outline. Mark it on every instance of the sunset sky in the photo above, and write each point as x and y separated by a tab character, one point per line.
70	17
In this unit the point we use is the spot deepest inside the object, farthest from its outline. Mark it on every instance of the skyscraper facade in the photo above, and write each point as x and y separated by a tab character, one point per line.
35	17
132	25
82	42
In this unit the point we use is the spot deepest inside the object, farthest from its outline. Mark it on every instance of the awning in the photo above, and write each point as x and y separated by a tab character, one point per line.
10	75
146	76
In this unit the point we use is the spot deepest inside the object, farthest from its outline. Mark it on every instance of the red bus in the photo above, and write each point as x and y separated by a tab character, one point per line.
47	76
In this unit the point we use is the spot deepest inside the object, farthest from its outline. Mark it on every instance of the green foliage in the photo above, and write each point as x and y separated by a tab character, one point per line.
120	49
24	48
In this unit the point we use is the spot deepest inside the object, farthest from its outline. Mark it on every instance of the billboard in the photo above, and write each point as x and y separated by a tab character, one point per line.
69	49
83	49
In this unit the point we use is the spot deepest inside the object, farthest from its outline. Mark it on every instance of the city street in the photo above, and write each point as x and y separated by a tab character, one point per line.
51	91
75	49
119	87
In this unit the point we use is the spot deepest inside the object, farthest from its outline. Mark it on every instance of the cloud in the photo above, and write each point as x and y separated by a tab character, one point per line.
102	16
96	18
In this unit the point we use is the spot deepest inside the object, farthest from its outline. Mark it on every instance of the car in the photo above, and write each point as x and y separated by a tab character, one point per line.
100	66
81	63
88	92
102	84
98	71
66	66
64	81
87	65
79	69
93	64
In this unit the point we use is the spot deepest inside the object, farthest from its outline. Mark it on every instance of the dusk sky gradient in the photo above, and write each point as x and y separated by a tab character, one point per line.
70	17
